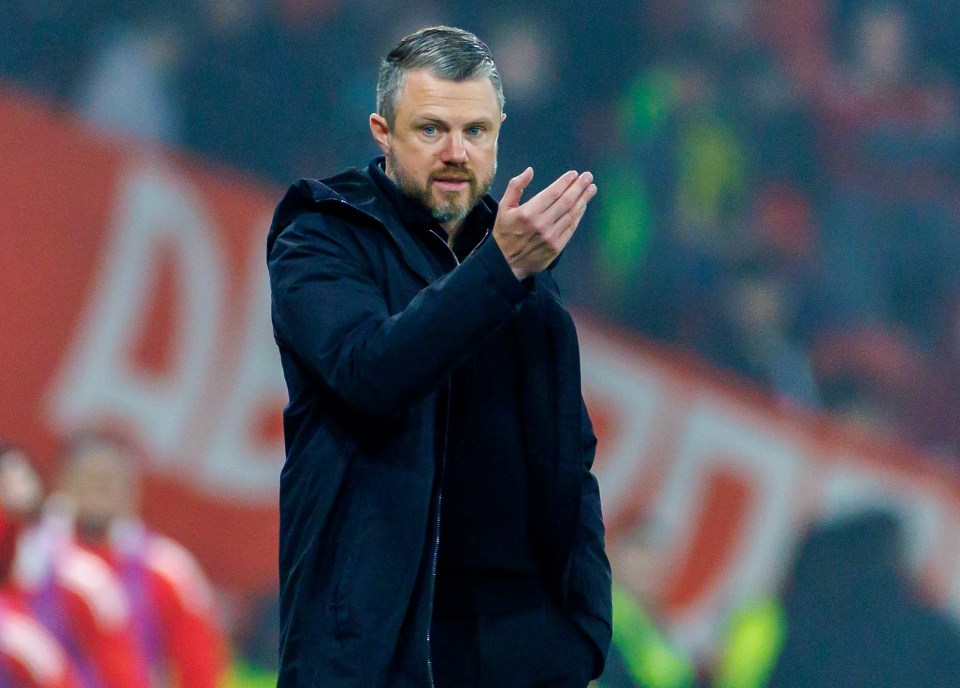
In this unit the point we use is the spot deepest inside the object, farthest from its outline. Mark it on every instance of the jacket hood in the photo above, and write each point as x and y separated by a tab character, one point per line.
352	187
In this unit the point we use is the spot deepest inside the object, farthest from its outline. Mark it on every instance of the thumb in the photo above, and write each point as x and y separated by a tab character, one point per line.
515	187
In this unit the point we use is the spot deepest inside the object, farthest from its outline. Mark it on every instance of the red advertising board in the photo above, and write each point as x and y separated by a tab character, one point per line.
731	478
135	297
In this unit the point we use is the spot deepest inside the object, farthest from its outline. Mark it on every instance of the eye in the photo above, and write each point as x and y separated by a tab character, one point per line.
474	131
429	129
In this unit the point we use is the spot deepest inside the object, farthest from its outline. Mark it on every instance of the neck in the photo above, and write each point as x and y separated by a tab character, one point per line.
451	228
92	531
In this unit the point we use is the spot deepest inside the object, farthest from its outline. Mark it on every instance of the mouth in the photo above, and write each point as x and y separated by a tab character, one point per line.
451	183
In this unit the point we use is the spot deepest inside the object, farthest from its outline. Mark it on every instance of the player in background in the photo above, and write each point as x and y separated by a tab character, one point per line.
30	657
171	601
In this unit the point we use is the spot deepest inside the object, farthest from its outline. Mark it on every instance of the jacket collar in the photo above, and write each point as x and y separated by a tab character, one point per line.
375	194
417	219
351	192
356	189
412	216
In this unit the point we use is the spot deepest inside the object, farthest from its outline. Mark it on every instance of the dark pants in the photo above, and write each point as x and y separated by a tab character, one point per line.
538	648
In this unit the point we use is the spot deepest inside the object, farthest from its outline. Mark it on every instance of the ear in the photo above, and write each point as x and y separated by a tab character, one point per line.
503	116
381	132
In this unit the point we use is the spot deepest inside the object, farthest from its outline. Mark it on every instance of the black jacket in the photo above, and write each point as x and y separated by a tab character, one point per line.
368	336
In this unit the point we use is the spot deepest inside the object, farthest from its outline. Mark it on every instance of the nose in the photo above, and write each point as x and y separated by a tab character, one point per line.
454	150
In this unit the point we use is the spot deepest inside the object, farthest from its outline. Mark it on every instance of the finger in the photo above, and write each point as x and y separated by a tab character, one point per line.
577	213
513	192
568	201
549	196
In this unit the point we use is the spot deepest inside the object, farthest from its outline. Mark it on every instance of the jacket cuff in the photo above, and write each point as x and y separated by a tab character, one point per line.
490	255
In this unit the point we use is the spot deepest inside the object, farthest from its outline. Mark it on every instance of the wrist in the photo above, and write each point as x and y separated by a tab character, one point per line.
519	273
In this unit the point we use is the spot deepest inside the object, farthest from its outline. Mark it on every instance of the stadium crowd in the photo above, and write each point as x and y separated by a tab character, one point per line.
786	205
779	197
780	179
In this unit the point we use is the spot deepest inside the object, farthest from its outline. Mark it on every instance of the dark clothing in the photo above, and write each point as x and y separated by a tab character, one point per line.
537	647
484	562
484	540
418	221
485	481
369	332
856	618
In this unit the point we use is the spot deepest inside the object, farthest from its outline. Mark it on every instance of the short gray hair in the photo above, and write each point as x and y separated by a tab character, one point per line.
449	53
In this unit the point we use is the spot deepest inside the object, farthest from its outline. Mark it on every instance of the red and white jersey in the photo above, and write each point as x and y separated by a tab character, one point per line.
30	657
80	598
173	604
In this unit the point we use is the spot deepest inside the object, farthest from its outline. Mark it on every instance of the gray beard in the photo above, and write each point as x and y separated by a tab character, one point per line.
447	212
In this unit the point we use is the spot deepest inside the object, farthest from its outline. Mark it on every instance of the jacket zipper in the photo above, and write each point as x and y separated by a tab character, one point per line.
443	468
436	533
443	456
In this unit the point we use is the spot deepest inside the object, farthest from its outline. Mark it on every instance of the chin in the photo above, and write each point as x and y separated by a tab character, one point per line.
460	206
93	528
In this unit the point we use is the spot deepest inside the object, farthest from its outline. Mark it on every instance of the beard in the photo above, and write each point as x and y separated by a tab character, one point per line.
450	207
93	527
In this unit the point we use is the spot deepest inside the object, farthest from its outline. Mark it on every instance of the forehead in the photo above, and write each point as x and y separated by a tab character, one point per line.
15	462
100	459
424	94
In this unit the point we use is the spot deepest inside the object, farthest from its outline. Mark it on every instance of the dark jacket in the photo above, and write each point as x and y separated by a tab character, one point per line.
368	336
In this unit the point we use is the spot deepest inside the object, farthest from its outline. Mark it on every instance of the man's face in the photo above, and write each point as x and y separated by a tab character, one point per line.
442	148
21	490
101	484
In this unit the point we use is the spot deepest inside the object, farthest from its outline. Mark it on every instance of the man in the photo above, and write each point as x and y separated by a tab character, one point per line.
171	602
439	522
70	590
641	654
30	657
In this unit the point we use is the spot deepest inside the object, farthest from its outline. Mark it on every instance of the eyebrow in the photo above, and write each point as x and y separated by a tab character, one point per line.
430	119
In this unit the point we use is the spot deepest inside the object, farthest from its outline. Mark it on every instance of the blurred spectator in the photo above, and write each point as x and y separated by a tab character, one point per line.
71	591
930	417
850	614
171	601
261	89
526	47
890	144
867	375
30	657
640	656
257	663
675	182
799	35
129	87
758	331
754	639
855	615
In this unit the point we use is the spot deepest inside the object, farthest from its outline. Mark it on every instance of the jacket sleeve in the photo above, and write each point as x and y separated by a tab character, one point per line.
590	583
329	310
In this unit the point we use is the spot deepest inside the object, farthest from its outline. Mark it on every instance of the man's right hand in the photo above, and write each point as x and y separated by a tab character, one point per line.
532	235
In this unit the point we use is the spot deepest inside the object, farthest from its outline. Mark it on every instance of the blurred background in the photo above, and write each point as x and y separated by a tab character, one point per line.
765	289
